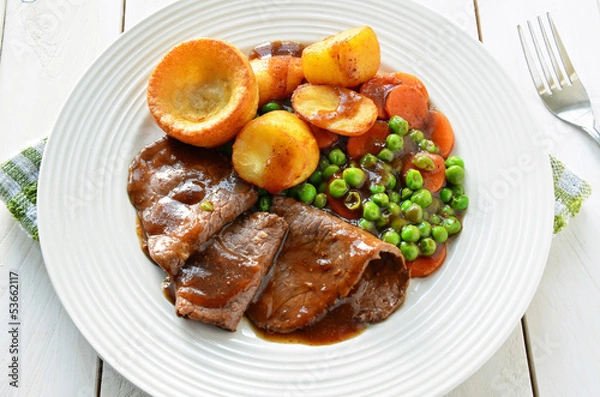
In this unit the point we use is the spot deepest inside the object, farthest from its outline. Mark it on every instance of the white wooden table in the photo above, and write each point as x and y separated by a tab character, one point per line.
553	351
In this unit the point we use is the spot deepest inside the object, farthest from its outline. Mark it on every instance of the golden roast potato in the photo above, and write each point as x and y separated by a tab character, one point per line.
275	151
347	58
277	76
335	109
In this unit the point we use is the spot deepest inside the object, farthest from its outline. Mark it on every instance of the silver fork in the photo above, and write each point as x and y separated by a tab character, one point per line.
557	83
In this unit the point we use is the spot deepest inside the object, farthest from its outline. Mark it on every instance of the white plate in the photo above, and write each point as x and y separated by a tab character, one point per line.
450	324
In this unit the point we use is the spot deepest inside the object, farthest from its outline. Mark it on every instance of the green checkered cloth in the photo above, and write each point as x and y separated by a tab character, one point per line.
19	176
18	186
569	193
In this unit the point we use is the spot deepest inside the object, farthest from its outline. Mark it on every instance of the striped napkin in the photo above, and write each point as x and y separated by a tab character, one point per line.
19	176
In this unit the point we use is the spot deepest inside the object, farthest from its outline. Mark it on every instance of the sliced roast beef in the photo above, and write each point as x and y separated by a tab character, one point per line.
215	286
183	195
322	261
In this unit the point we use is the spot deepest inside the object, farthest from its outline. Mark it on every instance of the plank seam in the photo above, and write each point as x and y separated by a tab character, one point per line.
478	21
529	354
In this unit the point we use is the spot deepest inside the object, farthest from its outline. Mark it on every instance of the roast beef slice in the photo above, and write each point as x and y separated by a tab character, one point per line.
215	286
322	259
183	195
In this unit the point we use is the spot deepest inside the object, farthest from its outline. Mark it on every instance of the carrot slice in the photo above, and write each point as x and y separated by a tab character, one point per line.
432	180
324	138
424	266
377	89
441	132
371	141
408	103
413	81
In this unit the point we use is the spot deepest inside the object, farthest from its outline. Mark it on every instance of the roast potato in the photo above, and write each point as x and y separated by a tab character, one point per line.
334	108
277	76
347	58
202	92
275	151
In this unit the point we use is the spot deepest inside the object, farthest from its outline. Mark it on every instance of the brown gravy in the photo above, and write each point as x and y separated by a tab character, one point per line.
338	325
277	47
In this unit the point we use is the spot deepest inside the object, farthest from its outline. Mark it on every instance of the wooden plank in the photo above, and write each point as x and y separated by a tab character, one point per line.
47	46
564	316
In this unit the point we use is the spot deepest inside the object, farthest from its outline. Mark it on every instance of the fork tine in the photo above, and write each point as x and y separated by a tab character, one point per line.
564	57
533	67
560	77
538	50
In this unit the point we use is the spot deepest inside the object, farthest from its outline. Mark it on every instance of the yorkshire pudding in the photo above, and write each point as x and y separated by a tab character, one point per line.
202	92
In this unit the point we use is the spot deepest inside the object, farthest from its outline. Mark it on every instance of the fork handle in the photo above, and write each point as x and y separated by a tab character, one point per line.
594	132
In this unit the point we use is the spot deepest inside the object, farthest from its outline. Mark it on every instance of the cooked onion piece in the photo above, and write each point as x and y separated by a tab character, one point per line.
202	92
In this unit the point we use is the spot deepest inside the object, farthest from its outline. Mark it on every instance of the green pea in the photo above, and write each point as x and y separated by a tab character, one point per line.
307	193
458	190
424	228
423	162
323	163
367	225
427	246
316	177
439	234
429	146
435	219
391	236
394	142
368	161
269	107
375	188
338	187
460	203
455	174
394	209
389	181
337	157
264	203
435	205
416	135
410	233
422	197
352	201
262	192
394	196
405	205
320	200
354	176
406	193
455	160
452	225
322	188
398	125
447	210
446	194
414	213
386	155
382	222
381	199
410	251
414	179
371	211
398	223
330	171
